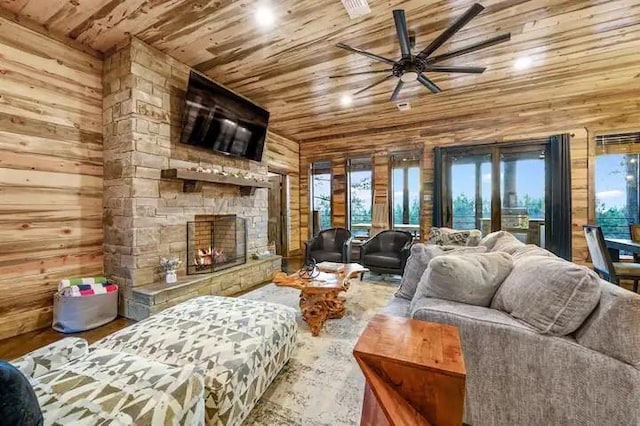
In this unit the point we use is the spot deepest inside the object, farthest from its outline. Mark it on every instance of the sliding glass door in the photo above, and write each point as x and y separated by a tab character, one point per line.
497	187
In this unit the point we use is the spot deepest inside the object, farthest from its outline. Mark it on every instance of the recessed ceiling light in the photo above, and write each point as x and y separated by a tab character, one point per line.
346	100
264	16
522	62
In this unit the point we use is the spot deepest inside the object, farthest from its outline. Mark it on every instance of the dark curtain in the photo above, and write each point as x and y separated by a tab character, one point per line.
438	207
558	203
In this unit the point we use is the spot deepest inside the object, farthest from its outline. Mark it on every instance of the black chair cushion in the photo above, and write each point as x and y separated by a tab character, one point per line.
383	259
18	402
326	256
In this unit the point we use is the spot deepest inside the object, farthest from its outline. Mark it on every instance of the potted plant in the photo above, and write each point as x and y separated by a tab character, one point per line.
170	266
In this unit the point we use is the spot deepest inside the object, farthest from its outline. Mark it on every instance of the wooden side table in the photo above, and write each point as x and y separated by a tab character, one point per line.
414	371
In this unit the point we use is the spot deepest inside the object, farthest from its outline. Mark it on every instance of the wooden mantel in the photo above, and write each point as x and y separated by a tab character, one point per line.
192	180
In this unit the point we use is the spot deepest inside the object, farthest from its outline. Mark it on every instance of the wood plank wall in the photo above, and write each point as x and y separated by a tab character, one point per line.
283	156
50	173
516	125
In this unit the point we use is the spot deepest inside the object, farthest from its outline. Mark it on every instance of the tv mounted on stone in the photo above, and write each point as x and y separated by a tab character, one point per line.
219	120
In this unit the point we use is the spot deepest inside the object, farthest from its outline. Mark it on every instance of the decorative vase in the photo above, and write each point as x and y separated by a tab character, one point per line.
171	277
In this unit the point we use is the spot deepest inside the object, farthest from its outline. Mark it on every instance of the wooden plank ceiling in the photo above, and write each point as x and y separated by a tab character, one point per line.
578	49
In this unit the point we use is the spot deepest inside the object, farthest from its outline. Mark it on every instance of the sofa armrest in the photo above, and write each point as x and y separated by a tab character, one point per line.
405	252
50	357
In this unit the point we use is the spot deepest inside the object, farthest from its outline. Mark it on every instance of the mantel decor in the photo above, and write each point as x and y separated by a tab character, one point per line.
192	180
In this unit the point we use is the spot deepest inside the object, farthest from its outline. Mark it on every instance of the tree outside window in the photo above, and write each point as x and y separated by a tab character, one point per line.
616	193
360	186
321	192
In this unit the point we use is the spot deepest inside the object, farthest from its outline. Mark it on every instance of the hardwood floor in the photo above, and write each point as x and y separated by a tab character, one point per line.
17	346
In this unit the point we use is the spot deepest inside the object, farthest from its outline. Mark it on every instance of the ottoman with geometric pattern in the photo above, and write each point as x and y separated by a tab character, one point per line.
239	344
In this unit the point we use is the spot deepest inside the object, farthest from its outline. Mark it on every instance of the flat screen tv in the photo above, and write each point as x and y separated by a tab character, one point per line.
219	120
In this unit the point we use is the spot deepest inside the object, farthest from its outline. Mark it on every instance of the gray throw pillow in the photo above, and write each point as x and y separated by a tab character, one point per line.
522	252
421	255
470	278
550	294
501	241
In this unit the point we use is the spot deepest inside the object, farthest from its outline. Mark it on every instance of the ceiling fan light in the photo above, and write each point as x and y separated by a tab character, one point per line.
409	76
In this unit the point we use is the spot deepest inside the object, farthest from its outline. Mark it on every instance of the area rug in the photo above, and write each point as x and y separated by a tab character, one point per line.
322	383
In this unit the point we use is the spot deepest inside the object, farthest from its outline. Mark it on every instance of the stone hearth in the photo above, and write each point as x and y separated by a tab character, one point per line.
145	215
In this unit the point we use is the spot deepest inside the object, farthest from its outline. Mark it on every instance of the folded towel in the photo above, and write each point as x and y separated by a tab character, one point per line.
78	287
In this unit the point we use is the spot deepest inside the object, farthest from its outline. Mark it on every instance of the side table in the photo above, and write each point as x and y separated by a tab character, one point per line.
414	372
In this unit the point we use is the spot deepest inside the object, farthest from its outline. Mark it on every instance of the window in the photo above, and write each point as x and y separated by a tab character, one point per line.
405	197
321	195
616	175
360	195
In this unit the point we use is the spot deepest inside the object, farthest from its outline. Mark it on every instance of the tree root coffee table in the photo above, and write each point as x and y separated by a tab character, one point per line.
319	296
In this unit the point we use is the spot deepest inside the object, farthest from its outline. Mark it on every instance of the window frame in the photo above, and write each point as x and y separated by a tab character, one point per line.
312	192
348	170
413	158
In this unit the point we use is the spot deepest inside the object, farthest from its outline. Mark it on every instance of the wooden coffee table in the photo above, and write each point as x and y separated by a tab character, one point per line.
319	296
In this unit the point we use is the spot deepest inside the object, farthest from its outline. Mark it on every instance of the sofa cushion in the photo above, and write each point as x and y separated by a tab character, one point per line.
552	295
527	250
18	402
472	278
437	310
383	260
240	344
501	241
418	261
106	387
326	256
613	328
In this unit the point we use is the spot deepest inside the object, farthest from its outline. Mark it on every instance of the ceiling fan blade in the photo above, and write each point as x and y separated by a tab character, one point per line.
471	13
374	84
359	73
428	84
396	91
367	54
466	70
403	33
478	46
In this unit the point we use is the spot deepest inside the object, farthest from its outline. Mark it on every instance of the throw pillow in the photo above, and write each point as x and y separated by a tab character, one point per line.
614	326
470	278
418	261
474	238
448	237
522	252
501	241
550	294
18	402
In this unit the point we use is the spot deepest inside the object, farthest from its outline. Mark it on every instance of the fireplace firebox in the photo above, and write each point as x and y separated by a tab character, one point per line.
215	242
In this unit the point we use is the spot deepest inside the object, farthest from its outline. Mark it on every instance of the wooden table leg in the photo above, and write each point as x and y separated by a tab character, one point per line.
318	308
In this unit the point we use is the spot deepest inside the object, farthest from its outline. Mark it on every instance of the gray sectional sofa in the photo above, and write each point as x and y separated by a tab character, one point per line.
554	354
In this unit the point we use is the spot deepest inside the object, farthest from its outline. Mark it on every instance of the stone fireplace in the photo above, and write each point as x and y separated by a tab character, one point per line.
146	214
215	242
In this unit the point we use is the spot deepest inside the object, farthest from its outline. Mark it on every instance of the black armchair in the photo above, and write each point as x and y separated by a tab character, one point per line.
330	245
387	252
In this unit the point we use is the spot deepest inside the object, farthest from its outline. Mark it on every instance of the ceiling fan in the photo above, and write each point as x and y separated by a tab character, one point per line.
412	67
